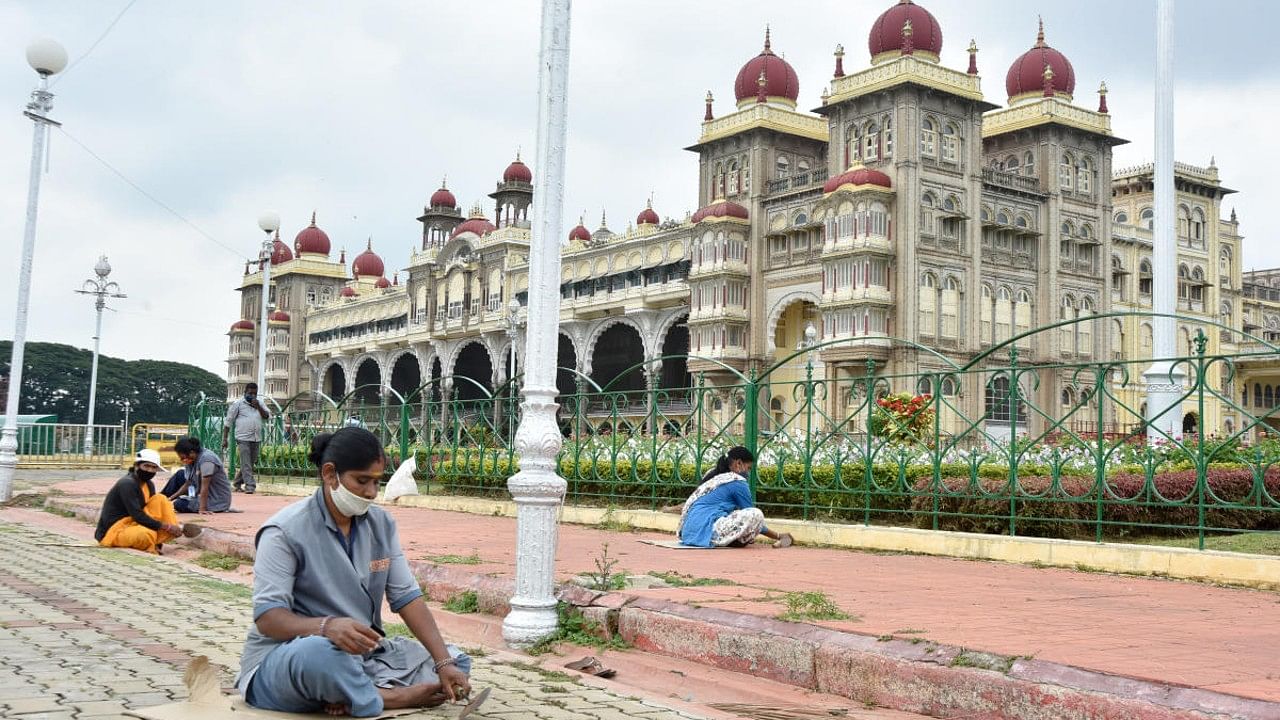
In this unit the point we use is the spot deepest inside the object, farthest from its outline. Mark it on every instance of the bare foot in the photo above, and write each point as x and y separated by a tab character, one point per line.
784	541
414	696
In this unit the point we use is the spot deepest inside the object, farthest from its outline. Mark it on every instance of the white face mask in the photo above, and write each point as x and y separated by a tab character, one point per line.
349	503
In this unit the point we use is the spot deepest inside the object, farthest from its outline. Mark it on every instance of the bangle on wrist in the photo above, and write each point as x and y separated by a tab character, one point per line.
323	622
444	663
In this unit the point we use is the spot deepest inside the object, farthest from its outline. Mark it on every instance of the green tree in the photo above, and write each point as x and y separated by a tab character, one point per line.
55	380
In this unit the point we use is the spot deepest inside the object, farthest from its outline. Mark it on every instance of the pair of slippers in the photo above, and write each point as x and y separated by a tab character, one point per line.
784	541
591	666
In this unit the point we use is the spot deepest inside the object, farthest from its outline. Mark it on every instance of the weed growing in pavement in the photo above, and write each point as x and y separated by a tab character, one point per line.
472	559
554	689
232	590
218	561
465	602
475	652
675	579
573	627
551	676
812	605
612	524
604	578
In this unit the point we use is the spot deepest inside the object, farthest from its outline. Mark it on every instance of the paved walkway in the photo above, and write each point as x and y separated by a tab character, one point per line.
1178	633
87	632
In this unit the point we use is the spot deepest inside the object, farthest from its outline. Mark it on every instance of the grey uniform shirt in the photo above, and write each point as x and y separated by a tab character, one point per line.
209	465
245	421
305	564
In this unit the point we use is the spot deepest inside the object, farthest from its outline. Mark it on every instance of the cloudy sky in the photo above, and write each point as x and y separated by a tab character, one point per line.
356	109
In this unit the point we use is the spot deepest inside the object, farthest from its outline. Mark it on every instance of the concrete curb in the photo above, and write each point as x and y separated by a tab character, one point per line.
1228	568
920	677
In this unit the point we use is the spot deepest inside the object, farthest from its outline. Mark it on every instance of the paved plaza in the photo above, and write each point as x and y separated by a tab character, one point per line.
88	633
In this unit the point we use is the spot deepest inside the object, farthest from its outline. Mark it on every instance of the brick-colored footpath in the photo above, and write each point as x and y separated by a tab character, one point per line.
1178	633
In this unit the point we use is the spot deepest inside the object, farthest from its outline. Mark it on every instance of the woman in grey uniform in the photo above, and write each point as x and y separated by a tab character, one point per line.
322	569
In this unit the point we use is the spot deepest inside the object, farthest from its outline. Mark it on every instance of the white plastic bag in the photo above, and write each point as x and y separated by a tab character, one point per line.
402	482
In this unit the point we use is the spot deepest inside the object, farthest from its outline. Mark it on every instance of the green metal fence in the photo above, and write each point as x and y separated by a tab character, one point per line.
997	445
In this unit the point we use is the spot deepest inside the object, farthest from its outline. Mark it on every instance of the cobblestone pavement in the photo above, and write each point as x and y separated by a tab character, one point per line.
88	633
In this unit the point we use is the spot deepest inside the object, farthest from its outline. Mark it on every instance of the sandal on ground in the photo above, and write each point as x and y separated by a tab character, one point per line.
191	530
591	666
783	541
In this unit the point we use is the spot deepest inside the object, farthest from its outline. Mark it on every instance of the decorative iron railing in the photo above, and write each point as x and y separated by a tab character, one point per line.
994	445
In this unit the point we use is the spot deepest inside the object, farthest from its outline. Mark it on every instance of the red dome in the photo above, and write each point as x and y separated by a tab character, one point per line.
347	292
1026	74
382	282
722	209
443	198
647	216
857	176
886	31
779	77
368	263
278	316
312	240
242	325
517	172
478	225
580	233
280	253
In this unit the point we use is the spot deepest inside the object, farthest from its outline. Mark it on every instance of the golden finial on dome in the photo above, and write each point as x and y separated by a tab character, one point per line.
767	44
444	182
313	218
906	28
1040	34
839	50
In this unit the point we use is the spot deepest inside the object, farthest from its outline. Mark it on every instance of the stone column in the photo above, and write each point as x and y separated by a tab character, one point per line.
537	490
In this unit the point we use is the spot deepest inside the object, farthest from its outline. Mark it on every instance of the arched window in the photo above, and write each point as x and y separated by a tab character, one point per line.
1066	172
1028	164
1022	317
1117	338
1067	333
1147	338
1224	262
887	124
784	167
950	308
1184	224
1117	279
1197	284
998	405
1184	284
928	305
1004	314
1065	233
1068	397
1122	218
1147	218
1225	314
1011	164
1003	217
871	143
1084	176
950	203
802	165
929	138
1197	227
986	308
948	387
1021	221
1257	395
1268	398
733	176
928	204
1084	329
1144	276
951	143
986	214
853	149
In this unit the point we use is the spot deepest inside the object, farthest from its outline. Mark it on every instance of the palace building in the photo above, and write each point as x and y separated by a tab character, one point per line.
907	205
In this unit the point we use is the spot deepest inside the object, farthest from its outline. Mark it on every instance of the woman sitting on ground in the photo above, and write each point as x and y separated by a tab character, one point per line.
135	516
720	513
322	569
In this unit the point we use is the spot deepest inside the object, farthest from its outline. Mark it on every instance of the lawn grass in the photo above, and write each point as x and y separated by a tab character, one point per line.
1254	543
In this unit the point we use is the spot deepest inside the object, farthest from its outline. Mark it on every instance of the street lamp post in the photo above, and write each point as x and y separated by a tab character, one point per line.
536	489
101	289
47	58
513	330
268	222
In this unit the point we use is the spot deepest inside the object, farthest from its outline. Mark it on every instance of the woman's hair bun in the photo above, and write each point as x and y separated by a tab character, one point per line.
318	445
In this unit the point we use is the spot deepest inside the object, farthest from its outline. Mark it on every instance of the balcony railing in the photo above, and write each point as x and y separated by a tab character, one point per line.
796	182
1011	181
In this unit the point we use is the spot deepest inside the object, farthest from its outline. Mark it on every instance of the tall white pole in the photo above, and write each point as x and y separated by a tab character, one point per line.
38	109
100	288
93	377
262	326
537	490
1163	379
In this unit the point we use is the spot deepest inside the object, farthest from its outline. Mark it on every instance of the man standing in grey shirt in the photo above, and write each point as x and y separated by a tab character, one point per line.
210	490
245	416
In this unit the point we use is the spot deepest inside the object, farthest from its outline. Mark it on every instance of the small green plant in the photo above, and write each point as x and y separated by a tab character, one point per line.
551	676
675	579
475	652
604	578
472	559
811	605
553	689
573	627
465	602
218	561
612	524
398	630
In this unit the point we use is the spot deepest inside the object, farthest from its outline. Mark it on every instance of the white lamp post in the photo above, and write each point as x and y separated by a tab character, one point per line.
101	289
1163	378
47	58
537	490
268	222
512	322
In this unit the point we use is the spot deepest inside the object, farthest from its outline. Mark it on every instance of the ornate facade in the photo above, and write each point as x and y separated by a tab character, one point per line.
907	205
